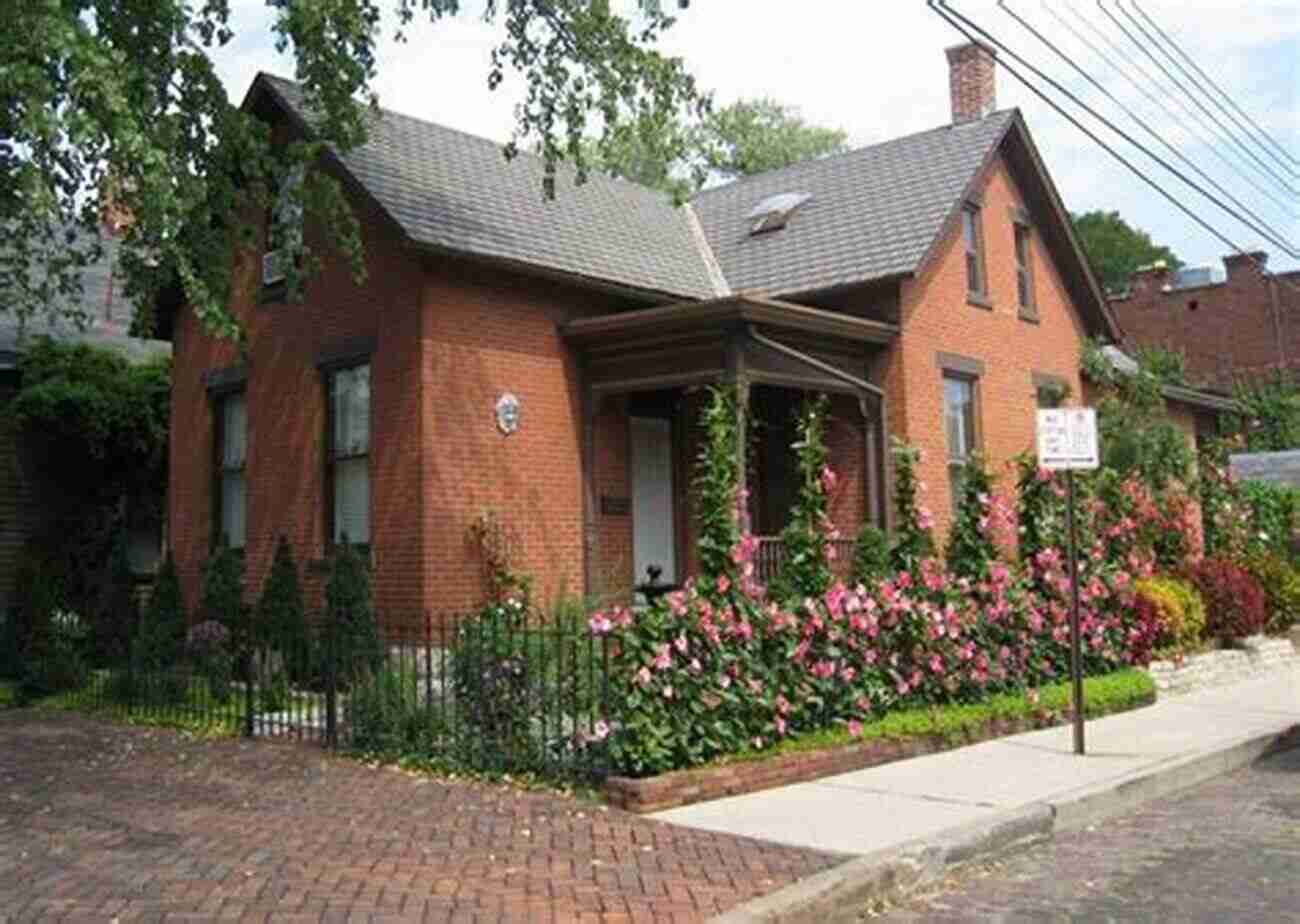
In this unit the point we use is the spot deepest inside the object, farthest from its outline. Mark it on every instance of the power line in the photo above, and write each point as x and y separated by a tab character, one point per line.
1119	131
1267	231
1265	139
1213	148
1224	133
951	16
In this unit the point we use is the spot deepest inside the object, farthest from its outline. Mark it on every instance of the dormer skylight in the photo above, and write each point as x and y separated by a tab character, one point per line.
774	212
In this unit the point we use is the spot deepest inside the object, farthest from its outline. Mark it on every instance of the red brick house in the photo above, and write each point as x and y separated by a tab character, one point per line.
1244	324
931	285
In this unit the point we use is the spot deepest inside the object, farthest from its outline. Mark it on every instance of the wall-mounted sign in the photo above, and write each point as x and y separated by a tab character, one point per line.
615	506
507	413
1067	438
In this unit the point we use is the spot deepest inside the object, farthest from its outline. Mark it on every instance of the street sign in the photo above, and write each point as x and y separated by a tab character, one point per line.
1067	438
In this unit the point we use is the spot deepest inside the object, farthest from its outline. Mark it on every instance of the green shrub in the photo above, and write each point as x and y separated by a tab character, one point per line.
1281	584
280	621
221	598
56	660
1273	509
157	651
388	718
1179	609
871	556
208	646
351	637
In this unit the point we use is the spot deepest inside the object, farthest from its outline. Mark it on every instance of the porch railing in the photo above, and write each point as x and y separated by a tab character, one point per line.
770	556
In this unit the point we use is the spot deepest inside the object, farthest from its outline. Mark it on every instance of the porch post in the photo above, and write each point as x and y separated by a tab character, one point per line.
590	535
876	460
740	381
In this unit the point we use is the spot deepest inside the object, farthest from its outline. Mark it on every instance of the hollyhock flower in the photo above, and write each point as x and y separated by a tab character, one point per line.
936	665
902	687
724	681
600	624
824	669
668	692
695	666
847	674
855	728
924	518
643	676
600	731
828	479
664	659
780	726
863	703
680	643
724	583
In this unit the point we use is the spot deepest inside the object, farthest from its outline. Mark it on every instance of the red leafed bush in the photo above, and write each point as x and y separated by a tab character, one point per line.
1235	605
1142	631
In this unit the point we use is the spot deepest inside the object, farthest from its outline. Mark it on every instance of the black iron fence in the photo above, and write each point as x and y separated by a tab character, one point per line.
502	690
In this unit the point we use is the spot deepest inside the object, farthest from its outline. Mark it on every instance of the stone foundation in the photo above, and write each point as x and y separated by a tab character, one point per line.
1257	654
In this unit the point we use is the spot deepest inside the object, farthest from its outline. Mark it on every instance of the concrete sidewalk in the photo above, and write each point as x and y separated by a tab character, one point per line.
1131	757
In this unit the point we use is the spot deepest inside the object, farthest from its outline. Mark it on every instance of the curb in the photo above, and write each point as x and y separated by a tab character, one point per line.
839	894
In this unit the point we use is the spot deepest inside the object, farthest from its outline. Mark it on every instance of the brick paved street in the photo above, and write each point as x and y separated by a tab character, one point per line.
100	822
1228	850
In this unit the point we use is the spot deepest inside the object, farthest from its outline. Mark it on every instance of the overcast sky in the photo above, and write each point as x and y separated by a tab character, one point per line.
876	68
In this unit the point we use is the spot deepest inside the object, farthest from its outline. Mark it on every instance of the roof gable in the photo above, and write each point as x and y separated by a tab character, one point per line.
873	213
456	192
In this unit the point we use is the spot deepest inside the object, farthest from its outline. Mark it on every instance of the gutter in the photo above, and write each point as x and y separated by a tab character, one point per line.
815	363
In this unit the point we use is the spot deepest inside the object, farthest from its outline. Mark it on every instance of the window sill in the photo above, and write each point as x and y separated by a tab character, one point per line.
979	301
1028	316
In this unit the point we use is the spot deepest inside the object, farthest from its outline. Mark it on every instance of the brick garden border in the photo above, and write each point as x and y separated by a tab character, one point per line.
700	784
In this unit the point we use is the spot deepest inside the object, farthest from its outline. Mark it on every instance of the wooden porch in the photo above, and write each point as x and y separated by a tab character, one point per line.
643	371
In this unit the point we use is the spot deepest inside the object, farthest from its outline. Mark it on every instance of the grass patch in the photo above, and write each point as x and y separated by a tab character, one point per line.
1109	693
10	695
194	710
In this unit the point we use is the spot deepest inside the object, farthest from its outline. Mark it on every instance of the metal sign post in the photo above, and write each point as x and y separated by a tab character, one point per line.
1067	440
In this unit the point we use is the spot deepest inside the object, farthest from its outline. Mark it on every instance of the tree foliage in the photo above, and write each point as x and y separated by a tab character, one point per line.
747	137
121	100
1269	415
1133	427
92	428
1115	249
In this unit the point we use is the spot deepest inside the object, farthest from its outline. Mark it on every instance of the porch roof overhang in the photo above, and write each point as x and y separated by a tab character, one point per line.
686	318
763	341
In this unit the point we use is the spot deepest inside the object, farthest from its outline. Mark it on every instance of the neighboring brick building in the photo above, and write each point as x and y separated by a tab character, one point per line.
1246	324
931	285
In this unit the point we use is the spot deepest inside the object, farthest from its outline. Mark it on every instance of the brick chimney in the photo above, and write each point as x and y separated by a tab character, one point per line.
971	81
1237	263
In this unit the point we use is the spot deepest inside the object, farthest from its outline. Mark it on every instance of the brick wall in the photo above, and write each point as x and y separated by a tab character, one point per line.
1245	324
286	419
938	317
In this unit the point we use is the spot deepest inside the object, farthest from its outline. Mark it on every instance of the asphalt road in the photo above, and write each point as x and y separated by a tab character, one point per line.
1228	850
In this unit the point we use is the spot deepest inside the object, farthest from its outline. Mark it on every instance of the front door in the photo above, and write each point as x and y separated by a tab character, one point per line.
652	498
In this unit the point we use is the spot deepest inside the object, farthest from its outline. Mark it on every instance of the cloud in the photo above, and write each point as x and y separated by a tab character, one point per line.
877	70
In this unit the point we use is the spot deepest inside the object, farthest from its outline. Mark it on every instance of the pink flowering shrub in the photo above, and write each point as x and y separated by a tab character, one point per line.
806	570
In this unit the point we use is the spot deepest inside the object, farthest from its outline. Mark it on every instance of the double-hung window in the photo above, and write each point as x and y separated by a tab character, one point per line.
1024	271
349	454
959	422
973	238
232	456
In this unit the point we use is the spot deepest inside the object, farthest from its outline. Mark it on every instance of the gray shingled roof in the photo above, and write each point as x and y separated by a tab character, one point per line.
874	212
456	191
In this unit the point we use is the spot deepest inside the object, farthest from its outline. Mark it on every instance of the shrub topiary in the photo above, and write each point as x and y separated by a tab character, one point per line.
351	637
806	571
871	556
280	621
913	540
1281	584
1179	607
1235	604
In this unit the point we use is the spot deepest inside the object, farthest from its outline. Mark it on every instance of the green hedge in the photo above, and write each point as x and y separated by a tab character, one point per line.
1103	695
